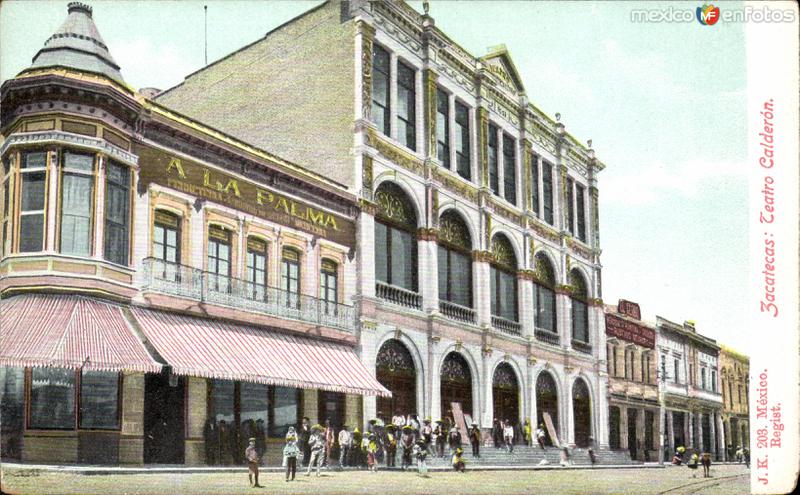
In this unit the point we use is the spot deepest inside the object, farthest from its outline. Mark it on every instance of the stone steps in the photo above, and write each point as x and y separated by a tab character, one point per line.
531	456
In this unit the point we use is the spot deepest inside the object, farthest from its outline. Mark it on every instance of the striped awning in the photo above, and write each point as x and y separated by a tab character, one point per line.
216	349
67	331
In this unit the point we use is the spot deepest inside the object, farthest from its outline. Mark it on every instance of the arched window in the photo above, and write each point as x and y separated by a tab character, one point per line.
455	268
503	282
396	247
580	312
545	298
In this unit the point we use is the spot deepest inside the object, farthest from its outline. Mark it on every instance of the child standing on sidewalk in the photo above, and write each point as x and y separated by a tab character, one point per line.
290	453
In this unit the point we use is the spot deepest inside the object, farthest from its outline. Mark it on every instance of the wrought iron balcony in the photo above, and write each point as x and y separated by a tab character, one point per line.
506	325
398	295
192	283
547	336
456	311
582	346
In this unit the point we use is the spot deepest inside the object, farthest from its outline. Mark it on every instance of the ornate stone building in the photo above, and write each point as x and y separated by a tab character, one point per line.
633	395
735	372
478	256
168	290
689	363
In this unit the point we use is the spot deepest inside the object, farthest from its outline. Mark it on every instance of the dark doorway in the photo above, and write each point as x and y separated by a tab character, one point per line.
456	384
164	419
613	427
331	407
582	412
505	392
395	370
12	393
649	427
706	422
677	430
546	402
633	439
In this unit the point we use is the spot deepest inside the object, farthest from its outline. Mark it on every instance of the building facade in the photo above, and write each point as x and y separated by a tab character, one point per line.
478	241
633	389
167	290
689	364
735	372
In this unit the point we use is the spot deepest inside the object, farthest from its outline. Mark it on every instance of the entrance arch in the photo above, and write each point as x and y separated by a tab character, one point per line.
456	383
546	401
582	413
505	393
394	369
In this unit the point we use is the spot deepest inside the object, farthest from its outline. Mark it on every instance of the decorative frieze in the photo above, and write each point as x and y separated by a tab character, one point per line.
400	34
395	154
366	177
430	110
483	145
544	231
579	248
455	186
367	33
506	213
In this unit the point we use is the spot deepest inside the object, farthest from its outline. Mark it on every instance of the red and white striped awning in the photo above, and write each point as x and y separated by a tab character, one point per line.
66	331
217	349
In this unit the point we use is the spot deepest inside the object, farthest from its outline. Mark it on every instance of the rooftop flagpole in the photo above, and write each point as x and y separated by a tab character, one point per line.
205	33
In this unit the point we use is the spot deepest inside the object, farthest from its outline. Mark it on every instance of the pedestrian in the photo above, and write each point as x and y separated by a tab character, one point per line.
497	433
251	454
475	440
305	438
527	433
454	439
363	449
407	444
565	460
345	441
316	447
399	421
590	451
508	436
290	453
391	445
427	435
441	438
421	453
540	436
458	461
330	441
746	455
739	454
372	450
355	448
692	464
705	460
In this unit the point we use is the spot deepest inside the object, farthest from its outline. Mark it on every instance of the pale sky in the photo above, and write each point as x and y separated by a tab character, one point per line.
664	104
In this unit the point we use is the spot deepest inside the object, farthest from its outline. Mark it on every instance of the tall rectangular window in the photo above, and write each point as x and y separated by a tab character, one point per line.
463	165
219	258
443	127
52	399
547	192
329	286
509	169
116	229
256	269
380	89
99	400
290	277
166	237
4	215
494	177
570	206
406	106
703	383
713	381
535	183
77	195
32	191
677	368
580	191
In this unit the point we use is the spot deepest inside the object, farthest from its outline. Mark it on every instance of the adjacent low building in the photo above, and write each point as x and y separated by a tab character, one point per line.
735	373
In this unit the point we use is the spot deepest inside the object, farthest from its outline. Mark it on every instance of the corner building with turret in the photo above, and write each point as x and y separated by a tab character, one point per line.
478	256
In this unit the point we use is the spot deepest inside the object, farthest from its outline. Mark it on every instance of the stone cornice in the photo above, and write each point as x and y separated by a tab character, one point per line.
59	137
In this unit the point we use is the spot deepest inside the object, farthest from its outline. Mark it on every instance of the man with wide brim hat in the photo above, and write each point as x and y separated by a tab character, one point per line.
475	440
251	454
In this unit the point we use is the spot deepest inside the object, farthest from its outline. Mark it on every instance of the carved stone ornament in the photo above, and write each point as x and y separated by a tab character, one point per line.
502	252
455	369
394	205
394	356
453	231
504	377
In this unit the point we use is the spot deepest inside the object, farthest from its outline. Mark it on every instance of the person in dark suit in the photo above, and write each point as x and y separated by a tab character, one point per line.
475	440
305	436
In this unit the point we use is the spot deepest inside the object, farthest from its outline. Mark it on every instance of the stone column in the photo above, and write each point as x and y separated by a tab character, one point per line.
131	439
564	319
428	271
196	406
526	306
640	433
568	426
483	303
352	411
365	233
623	427
311	405
689	429
670	432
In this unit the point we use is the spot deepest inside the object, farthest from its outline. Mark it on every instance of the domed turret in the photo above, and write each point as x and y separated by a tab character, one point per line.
77	44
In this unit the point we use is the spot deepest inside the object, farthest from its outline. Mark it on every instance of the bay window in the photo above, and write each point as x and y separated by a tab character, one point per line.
117	213
406	106
443	127
463	165
33	176
380	89
77	200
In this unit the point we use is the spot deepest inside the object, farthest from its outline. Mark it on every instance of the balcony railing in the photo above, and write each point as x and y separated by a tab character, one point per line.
506	325
457	311
192	283
398	295
582	346
547	336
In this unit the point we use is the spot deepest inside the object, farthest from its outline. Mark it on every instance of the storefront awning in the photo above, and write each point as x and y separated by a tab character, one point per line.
217	349
66	331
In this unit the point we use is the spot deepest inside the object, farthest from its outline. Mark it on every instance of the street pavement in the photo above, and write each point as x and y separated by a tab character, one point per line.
730	479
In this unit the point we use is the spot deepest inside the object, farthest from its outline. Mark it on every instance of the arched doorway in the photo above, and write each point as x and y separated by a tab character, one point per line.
505	393
582	413
546	402
395	370
456	383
